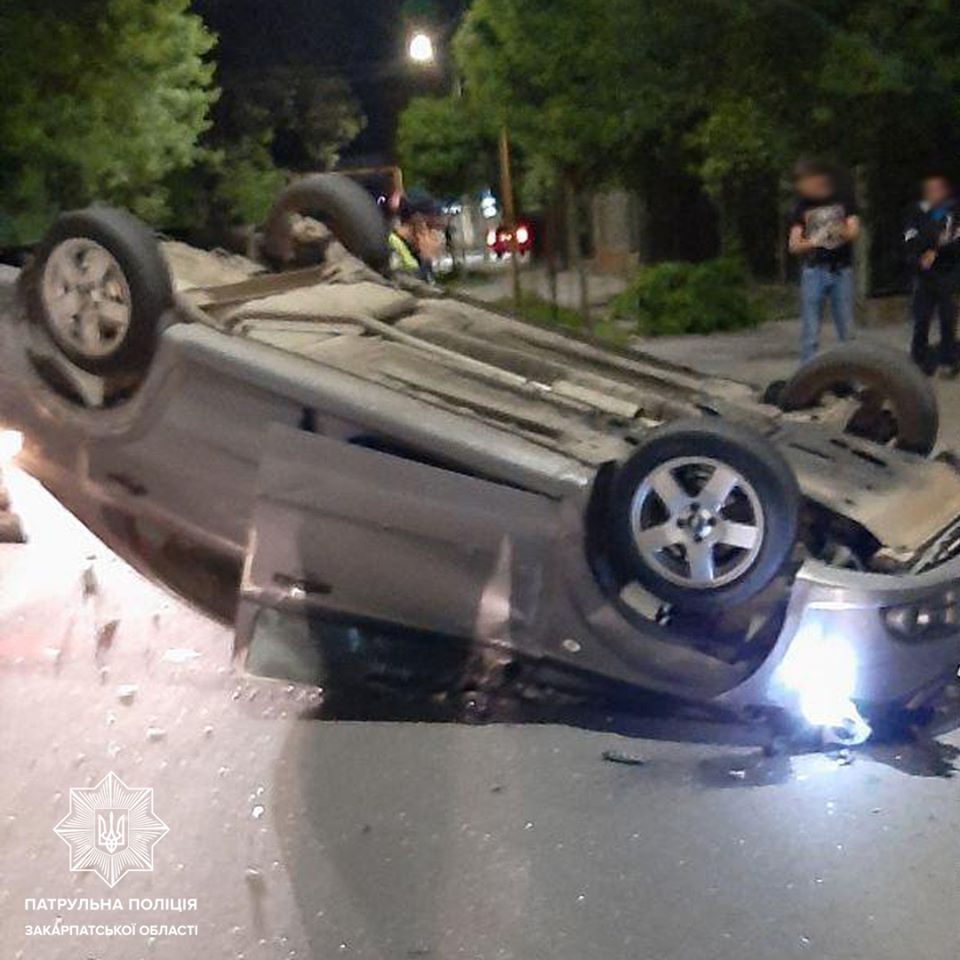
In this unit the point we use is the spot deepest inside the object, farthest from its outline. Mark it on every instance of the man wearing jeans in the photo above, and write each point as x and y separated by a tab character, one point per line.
823	228
932	241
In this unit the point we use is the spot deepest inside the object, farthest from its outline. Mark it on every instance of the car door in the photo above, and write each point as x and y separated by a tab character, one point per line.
349	534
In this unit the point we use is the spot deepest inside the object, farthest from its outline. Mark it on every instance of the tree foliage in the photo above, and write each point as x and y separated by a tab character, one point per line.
443	147
733	90
102	99
555	72
248	182
307	116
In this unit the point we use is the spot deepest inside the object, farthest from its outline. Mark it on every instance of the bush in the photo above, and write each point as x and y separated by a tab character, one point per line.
675	298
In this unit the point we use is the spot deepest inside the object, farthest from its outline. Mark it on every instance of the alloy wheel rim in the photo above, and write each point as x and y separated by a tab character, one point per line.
697	522
86	298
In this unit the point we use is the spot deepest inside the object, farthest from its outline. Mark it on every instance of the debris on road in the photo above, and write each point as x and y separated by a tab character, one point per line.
844	757
105	636
11	530
627	759
179	655
88	581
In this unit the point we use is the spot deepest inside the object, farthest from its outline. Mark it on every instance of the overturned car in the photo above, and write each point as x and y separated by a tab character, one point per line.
345	453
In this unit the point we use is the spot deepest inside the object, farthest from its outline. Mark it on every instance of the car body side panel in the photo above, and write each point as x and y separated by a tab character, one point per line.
373	535
346	533
199	461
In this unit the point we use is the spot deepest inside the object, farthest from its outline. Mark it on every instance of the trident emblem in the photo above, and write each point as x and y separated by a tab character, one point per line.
111	834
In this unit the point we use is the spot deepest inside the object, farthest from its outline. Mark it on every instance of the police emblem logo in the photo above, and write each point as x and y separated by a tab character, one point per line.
111	829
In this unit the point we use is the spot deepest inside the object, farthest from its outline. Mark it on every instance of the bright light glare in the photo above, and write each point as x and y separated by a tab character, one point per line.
421	48
491	237
523	234
11	443
820	669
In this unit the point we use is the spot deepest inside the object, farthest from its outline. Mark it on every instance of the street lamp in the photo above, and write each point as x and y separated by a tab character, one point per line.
421	48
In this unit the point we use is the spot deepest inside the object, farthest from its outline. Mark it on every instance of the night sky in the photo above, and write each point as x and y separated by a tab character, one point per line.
364	40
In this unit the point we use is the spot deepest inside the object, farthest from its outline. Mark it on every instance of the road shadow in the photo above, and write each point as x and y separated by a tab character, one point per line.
396	677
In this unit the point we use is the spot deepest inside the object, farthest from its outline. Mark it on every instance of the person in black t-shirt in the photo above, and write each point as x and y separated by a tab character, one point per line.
932	244
824	226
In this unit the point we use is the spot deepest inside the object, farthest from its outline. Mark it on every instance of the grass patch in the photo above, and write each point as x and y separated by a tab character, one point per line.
542	312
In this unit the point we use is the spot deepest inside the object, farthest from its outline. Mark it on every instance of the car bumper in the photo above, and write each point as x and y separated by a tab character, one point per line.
882	641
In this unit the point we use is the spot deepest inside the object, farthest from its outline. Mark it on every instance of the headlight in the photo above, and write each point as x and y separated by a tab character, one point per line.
820	671
926	620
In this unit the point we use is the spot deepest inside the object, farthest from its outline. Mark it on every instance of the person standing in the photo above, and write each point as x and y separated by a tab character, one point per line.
932	240
414	239
824	225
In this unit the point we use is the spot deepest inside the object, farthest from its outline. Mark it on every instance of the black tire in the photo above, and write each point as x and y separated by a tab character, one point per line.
752	457
888	376
339	203
773	392
134	246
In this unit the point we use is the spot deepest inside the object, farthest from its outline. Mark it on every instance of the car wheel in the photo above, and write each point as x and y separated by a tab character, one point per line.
894	403
703	514
99	286
773	392
343	206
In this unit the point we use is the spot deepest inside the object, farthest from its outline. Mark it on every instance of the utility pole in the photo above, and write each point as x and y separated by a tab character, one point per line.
509	211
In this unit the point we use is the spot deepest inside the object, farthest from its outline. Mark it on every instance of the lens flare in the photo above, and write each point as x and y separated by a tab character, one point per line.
11	443
820	671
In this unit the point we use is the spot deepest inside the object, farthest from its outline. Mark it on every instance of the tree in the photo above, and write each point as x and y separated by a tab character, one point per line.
286	118
102	99
729	90
560	76
443	147
873	83
749	105
307	117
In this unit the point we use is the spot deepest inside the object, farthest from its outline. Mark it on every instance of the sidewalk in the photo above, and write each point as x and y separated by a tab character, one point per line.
760	355
496	283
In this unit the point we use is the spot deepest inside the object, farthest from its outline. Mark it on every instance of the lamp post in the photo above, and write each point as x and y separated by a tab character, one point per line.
509	210
421	51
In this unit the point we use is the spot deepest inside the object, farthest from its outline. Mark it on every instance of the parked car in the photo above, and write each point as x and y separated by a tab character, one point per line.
500	240
376	455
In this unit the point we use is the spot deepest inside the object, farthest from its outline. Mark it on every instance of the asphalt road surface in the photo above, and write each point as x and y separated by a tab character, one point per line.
308	837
